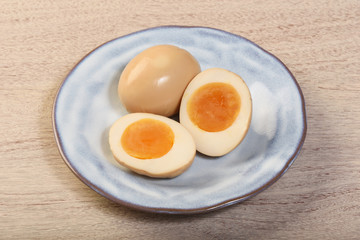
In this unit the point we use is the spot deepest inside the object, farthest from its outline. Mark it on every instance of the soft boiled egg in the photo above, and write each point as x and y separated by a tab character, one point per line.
155	80
216	109
152	145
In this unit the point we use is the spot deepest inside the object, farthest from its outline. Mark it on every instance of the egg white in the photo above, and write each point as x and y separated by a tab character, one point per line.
173	163
221	142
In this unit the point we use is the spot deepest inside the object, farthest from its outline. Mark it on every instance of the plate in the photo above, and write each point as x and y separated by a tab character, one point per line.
87	105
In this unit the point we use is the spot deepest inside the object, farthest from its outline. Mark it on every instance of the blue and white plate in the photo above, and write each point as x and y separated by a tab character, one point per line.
87	105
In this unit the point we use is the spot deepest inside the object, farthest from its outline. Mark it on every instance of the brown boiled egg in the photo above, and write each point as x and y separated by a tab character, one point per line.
155	79
152	145
216	109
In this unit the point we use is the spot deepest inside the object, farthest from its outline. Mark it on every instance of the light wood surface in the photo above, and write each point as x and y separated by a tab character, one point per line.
319	196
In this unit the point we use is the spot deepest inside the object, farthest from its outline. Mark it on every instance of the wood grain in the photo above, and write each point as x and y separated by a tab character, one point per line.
318	198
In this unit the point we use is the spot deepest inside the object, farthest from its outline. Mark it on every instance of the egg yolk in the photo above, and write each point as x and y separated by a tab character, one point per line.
214	106
147	139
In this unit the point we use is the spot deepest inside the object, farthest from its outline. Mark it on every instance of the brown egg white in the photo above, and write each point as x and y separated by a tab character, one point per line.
152	145
216	109
155	79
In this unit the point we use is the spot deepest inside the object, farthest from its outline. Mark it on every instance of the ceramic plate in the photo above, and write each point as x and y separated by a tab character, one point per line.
87	105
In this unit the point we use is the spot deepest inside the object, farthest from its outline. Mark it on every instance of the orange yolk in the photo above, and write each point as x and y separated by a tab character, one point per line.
147	139
214	106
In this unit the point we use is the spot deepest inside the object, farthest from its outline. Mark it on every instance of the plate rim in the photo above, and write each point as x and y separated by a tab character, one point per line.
179	210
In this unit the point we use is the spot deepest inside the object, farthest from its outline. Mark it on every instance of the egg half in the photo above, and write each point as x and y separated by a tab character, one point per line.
152	145
155	80
216	109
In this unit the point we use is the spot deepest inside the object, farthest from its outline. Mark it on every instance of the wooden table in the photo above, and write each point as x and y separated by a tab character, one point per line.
318	198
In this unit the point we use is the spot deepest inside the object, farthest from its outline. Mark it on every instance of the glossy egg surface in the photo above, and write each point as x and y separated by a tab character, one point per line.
155	79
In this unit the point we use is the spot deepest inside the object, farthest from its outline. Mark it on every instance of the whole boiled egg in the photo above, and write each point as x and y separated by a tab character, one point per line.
216	109
152	145
155	80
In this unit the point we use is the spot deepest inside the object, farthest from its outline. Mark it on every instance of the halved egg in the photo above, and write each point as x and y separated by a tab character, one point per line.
155	80
216	109
152	145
